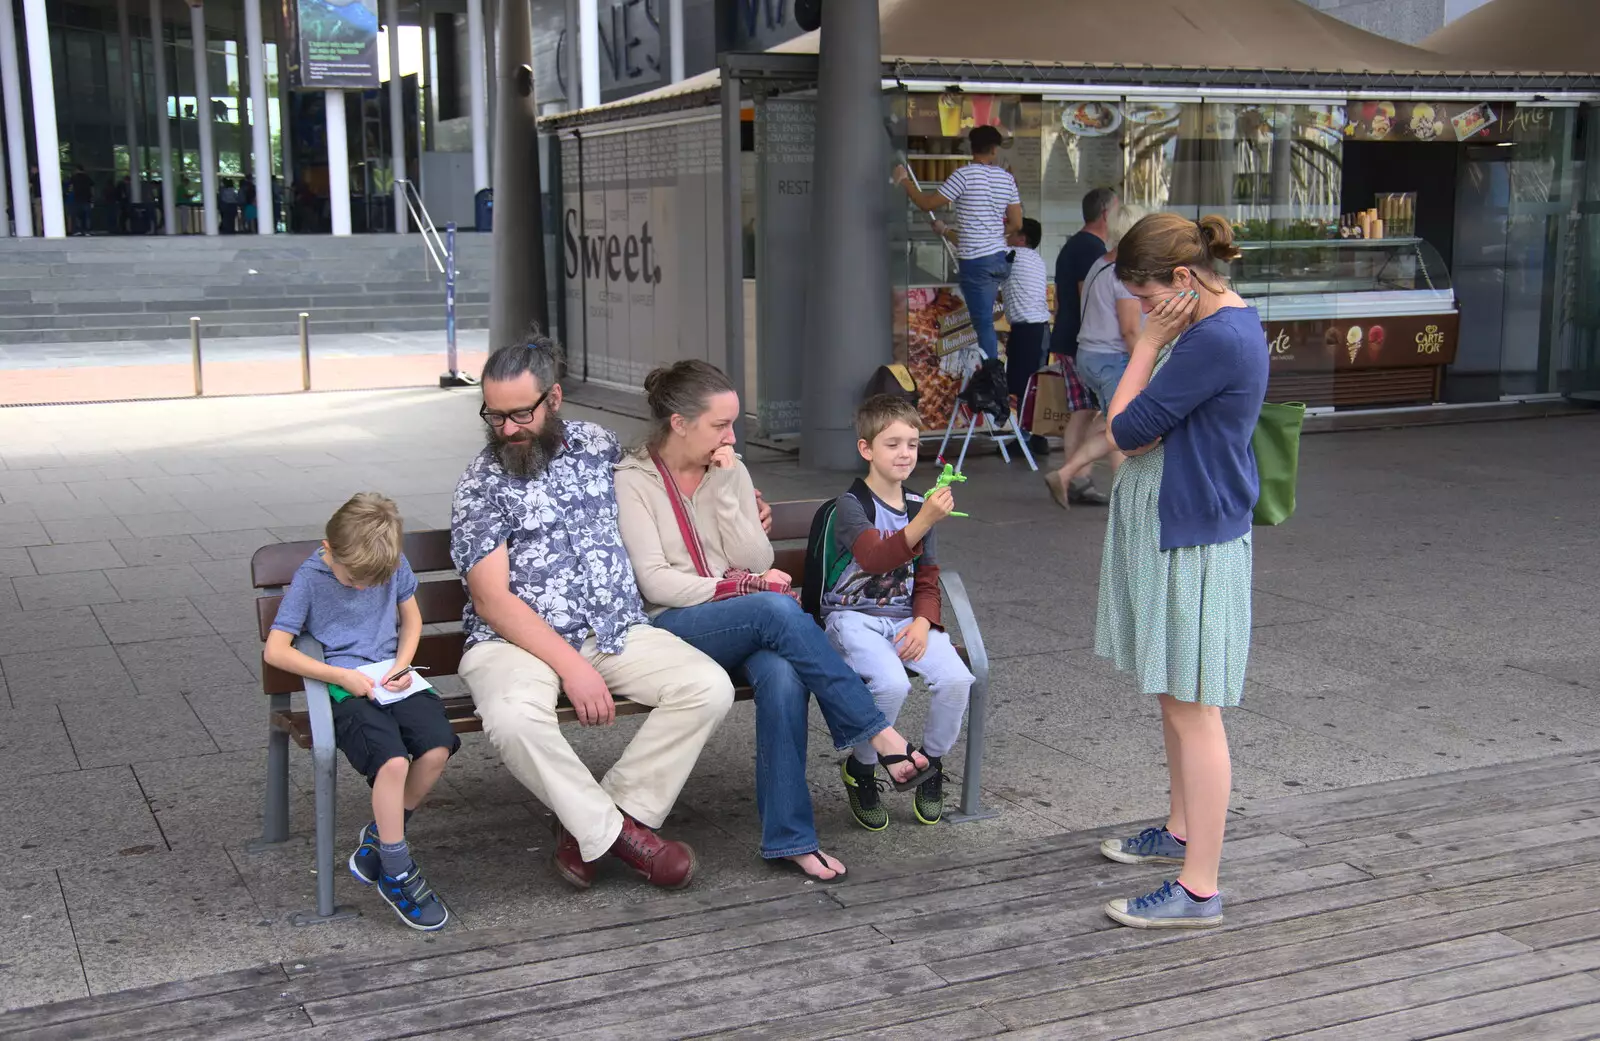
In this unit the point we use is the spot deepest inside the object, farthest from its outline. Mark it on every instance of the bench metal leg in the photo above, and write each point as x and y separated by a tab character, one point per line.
977	706
275	810
326	767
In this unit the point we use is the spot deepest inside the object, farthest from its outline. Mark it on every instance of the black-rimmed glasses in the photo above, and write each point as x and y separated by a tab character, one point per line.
521	416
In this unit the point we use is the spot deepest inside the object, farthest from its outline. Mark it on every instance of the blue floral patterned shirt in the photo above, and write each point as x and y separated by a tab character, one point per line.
560	531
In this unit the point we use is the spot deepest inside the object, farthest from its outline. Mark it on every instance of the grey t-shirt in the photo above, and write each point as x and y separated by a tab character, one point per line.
887	595
354	626
1100	331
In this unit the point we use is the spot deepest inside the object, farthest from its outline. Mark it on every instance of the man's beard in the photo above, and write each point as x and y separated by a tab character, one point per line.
529	453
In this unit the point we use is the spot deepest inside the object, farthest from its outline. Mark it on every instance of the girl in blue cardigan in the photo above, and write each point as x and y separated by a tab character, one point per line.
1175	575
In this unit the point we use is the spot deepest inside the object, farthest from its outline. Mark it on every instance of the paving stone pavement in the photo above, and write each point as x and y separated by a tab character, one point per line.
1431	607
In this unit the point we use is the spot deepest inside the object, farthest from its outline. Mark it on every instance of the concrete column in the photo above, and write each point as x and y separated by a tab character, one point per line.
202	107
587	41
518	296
491	66
397	122
169	186
285	112
675	39
130	103
17	136
47	146
477	101
338	162
5	186
849	320
260	118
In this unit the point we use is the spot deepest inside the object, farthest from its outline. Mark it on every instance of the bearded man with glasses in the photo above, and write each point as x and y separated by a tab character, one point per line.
553	608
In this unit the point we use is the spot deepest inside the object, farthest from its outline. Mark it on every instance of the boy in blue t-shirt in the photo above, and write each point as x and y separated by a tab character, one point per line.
356	596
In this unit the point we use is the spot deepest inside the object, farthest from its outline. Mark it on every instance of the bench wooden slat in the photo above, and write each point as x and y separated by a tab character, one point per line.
440	652
276	564
441	601
463	720
460	712
792	520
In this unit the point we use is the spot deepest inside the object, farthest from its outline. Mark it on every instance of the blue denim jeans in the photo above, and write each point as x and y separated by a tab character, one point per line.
980	280
783	653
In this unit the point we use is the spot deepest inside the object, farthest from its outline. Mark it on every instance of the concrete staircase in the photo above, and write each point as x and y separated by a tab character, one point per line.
146	288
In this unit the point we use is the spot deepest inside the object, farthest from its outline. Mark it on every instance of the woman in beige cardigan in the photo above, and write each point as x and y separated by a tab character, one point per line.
704	565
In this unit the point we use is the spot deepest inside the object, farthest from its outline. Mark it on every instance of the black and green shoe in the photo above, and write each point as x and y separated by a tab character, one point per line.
862	785
928	804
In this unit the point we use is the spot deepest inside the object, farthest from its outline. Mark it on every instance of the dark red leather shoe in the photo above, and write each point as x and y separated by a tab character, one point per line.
568	860
662	862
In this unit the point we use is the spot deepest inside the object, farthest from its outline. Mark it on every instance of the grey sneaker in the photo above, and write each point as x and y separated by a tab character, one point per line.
414	900
364	862
1169	907
1150	846
1082	492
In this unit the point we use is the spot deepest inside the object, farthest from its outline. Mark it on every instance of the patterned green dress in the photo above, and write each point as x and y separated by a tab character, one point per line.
1179	619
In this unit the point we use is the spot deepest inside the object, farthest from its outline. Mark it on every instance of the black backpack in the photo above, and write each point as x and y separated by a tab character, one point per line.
825	561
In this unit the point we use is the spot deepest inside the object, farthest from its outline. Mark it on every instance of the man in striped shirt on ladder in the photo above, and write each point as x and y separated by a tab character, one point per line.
988	212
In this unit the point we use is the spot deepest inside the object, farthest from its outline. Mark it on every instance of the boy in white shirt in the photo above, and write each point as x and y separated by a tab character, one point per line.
1027	308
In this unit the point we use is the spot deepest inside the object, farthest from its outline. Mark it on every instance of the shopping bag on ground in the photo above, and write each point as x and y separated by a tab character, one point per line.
1277	446
1044	403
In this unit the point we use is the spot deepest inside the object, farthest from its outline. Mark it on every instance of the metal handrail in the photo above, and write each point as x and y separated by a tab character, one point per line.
419	217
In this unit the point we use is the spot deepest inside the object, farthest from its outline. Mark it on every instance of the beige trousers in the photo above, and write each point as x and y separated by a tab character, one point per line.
515	694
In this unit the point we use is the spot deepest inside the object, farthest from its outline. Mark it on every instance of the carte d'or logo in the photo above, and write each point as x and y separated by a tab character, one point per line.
1280	344
1352	342
1430	340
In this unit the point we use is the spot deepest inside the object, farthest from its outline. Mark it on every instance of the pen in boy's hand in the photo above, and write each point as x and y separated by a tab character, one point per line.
402	672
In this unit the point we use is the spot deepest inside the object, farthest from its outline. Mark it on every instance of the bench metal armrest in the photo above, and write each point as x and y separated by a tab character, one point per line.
319	703
955	594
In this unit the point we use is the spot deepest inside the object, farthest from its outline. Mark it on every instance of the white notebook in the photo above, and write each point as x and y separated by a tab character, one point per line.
378	671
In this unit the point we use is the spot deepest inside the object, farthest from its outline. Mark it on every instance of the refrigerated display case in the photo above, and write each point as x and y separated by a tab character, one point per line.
1352	322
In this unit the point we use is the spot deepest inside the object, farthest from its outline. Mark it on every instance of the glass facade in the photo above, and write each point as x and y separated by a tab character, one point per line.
1400	251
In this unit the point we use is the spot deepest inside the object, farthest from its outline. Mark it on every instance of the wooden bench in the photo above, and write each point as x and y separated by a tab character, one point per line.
441	598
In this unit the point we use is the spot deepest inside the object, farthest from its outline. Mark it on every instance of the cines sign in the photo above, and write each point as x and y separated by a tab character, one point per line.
610	258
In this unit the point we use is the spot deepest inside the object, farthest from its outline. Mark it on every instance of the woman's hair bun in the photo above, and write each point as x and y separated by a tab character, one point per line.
1217	234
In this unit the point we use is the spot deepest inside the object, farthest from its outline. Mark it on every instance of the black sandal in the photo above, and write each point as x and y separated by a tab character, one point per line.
915	779
821	859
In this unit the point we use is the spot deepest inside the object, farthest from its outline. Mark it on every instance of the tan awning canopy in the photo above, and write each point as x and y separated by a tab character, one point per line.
1524	36
1201	35
1242	34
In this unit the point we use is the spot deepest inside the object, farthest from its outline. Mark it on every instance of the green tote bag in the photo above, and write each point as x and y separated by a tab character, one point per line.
1277	446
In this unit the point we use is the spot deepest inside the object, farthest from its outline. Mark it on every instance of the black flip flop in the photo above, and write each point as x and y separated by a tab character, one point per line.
809	877
915	779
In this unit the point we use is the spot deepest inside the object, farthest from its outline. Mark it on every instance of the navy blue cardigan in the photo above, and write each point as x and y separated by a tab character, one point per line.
1204	404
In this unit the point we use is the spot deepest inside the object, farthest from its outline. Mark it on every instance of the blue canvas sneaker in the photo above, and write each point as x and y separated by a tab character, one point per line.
1169	907
364	863
414	900
1150	846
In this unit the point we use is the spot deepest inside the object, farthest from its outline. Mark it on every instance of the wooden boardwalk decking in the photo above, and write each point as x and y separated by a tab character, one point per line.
1461	905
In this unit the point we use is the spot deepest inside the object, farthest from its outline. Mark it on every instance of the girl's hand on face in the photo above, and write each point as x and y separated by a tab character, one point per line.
1172	316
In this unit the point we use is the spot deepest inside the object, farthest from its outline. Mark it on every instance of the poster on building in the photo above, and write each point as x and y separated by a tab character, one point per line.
942	347
1396	341
785	132
641	250
1413	120
335	44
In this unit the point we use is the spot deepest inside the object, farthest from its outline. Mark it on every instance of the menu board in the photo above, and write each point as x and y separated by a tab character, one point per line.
1412	120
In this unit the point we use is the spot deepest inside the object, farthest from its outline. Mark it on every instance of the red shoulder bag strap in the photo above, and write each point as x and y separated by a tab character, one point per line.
686	528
